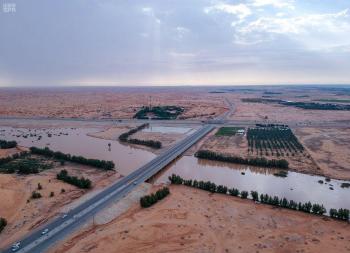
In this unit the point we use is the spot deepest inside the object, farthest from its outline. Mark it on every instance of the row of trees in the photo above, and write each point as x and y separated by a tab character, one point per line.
280	139
3	223
150	143
317	106
7	144
149	200
102	164
342	214
82	182
262	162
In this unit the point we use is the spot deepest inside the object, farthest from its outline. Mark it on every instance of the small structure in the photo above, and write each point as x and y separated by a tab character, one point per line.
240	131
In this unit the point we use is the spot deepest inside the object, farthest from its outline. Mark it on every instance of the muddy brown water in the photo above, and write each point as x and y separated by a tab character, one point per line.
296	186
75	141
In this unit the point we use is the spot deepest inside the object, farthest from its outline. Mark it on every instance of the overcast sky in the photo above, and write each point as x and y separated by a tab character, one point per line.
168	42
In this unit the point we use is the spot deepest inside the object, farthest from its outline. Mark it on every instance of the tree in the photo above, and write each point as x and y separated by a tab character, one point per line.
244	194
3	223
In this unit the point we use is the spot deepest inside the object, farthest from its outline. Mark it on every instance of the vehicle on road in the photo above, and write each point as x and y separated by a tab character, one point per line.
15	246
64	216
135	182
45	231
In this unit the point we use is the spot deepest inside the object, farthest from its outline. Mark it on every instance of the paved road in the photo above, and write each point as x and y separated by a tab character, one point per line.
62	226
219	121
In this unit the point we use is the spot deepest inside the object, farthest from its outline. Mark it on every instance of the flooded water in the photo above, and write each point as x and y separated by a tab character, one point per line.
169	129
75	141
296	186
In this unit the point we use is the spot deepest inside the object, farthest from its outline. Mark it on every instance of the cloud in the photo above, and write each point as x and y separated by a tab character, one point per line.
240	10
302	27
150	12
275	3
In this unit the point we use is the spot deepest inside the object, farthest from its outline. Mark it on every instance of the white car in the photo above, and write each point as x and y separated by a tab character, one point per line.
135	183
16	246
64	216
45	231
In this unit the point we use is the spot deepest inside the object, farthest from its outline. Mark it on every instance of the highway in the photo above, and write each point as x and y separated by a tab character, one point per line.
218	121
62	226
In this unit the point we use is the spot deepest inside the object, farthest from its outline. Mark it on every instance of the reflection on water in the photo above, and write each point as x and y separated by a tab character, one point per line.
297	186
169	129
76	141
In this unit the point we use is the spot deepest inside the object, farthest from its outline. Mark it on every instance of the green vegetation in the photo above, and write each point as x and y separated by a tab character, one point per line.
36	195
3	223
260	100
82	182
101	164
262	162
303	105
345	185
228	131
7	144
317	209
333	100
159	112
150	200
24	165
281	173
272	93
273	140
317	106
341	214
150	143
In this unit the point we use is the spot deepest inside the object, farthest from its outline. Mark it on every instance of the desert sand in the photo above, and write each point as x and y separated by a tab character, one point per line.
329	147
106	102
23	216
191	220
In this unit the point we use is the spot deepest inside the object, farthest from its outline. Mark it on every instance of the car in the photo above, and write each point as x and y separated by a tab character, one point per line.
45	231
64	216
15	246
135	182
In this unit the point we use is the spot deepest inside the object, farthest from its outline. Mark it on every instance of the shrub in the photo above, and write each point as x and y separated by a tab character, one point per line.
234	192
82	182
39	187
244	194
3	223
255	195
7	144
52	194
149	200
36	195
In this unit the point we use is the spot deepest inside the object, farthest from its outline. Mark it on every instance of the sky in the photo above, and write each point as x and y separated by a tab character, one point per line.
167	42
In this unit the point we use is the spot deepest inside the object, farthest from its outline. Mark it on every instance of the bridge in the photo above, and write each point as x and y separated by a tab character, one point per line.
64	225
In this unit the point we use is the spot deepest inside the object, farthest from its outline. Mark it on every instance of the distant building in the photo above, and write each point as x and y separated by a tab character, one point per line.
240	131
